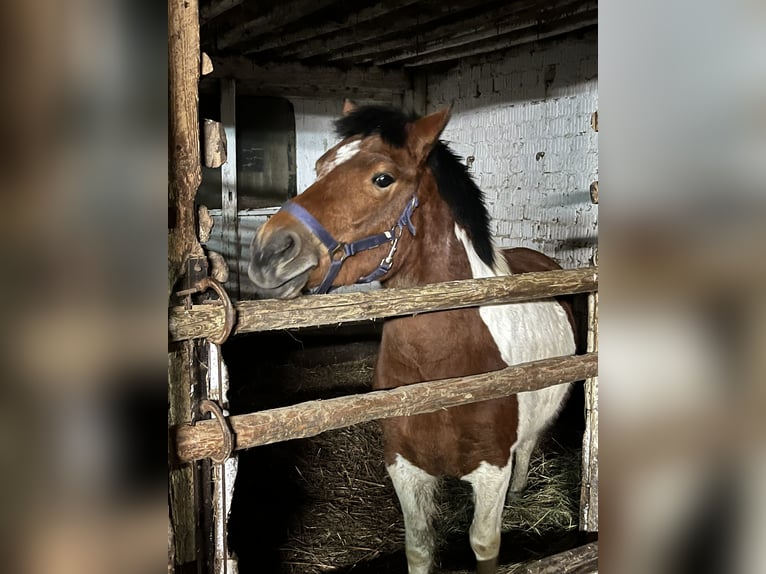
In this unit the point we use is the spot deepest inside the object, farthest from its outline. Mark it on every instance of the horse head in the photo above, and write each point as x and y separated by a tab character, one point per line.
355	222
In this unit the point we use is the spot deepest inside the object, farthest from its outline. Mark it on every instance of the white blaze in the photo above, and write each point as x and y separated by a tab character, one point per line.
342	155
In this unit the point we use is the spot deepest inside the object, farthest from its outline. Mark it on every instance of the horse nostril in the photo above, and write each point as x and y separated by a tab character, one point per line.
286	245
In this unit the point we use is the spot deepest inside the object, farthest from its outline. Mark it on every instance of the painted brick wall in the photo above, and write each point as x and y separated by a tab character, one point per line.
314	132
313	135
526	120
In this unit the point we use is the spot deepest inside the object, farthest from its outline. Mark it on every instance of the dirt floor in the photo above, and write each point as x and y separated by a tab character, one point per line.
326	504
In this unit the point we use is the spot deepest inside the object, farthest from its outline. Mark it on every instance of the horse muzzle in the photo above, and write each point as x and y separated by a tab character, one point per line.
281	263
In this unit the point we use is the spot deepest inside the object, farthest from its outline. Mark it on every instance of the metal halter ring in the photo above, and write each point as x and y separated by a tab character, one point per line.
230	314
206	406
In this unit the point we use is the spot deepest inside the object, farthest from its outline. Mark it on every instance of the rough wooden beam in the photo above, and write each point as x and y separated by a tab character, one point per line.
589	488
314	417
332	309
281	14
581	560
353	19
215	8
185	172
533	34
298	79
484	21
184	179
373	34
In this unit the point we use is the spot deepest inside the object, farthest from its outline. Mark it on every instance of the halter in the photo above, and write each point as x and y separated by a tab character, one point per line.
339	252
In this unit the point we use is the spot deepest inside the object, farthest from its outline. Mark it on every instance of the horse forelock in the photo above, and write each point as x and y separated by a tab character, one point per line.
454	182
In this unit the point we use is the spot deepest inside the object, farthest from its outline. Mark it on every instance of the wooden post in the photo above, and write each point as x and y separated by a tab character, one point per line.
589	488
184	180
184	150
230	224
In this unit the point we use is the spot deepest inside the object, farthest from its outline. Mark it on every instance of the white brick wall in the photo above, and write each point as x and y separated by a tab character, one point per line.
507	112
314	135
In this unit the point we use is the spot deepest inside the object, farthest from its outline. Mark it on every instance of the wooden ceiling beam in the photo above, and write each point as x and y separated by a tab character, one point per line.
282	14
327	27
515	38
300	80
531	16
371	34
482	22
215	8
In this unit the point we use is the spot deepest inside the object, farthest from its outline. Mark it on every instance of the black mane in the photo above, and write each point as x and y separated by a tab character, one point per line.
455	184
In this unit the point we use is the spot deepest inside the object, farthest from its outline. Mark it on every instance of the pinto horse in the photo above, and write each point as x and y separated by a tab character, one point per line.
392	203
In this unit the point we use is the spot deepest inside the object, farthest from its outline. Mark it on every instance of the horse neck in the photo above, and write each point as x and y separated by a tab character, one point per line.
435	253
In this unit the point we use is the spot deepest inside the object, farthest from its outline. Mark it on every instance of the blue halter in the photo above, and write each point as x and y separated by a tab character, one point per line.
339	252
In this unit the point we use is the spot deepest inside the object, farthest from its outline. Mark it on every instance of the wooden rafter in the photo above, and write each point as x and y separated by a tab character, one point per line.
532	34
478	27
282	14
302	35
371	34
215	8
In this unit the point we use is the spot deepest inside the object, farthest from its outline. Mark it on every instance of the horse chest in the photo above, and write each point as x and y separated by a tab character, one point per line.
438	346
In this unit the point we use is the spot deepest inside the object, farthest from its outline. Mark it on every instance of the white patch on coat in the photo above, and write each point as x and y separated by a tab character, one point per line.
490	484
342	155
523	332
415	490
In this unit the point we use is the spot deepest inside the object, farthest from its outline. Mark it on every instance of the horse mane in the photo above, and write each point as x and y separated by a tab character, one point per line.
455	184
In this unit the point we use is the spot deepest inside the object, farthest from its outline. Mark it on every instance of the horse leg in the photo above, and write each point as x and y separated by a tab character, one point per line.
523	453
490	484
415	489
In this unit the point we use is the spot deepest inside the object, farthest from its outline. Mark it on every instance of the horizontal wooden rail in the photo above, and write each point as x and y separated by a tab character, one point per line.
313	417
581	560
315	310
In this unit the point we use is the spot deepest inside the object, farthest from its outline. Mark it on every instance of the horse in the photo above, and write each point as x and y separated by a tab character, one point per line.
392	203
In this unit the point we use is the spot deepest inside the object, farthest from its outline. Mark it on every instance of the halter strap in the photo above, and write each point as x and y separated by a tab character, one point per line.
339	252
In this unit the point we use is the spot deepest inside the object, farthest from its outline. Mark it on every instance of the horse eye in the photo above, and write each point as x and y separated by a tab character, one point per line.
382	180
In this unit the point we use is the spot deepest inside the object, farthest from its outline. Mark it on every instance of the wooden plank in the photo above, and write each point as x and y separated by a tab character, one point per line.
230	221
314	417
332	309
281	14
475	21
298	79
215	8
519	17
581	560
301	36
589	487
516	38
369	37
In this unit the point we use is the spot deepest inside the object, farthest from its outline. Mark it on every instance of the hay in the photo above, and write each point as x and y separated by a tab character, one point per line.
350	517
353	516
550	503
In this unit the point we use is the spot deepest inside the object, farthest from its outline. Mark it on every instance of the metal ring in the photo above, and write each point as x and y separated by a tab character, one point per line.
229	311
206	406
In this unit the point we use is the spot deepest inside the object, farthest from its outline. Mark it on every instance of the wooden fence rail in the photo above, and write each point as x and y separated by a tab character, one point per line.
314	417
207	320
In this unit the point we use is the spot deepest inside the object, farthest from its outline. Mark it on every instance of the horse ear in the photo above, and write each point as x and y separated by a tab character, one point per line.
423	134
348	106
